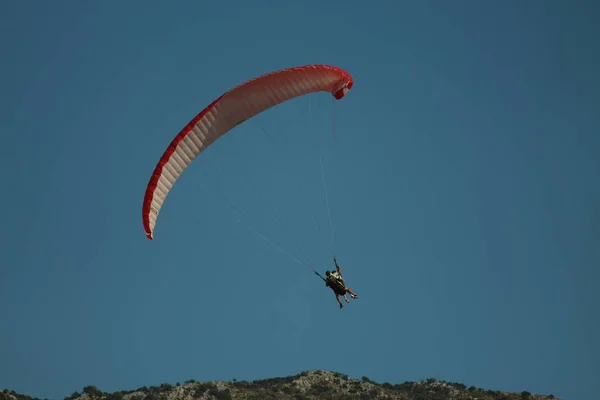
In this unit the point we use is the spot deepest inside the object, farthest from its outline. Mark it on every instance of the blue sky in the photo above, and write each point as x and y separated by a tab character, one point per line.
462	177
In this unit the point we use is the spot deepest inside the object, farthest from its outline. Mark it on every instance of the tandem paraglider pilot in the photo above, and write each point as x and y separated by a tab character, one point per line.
335	281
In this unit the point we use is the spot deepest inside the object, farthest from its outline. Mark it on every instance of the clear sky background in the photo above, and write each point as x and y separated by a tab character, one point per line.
462	177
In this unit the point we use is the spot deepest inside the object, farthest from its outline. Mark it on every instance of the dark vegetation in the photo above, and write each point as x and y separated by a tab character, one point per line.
308	385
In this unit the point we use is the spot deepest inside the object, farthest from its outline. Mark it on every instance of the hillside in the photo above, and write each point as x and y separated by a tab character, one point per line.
307	385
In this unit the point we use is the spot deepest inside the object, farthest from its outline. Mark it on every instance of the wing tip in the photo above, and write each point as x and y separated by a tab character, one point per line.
346	86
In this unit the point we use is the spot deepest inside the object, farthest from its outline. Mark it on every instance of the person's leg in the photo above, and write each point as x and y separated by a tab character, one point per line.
337	297
354	295
345	296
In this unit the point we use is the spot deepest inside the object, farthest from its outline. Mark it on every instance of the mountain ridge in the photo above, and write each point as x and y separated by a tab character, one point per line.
307	385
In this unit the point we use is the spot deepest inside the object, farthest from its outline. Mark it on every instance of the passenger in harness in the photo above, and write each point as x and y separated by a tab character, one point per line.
335	281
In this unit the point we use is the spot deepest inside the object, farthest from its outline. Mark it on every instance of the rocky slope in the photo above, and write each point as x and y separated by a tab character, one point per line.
307	385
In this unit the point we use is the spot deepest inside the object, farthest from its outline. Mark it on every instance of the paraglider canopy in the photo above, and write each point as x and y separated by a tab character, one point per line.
226	112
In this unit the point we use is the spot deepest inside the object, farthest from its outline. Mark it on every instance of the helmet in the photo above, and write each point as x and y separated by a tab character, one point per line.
327	273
